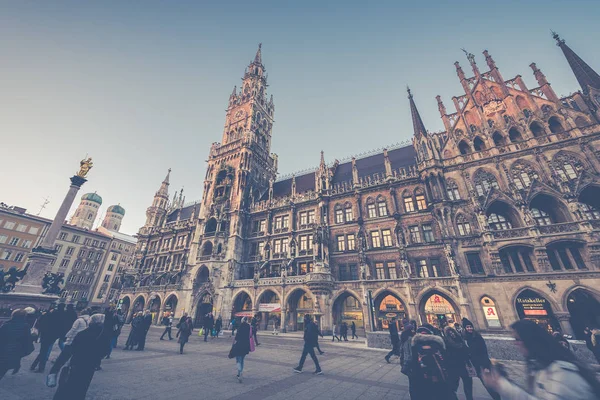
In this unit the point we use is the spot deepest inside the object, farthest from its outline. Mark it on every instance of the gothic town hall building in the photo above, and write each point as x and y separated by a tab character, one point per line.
496	218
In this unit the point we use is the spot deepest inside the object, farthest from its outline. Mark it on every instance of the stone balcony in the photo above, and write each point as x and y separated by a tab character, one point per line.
152	288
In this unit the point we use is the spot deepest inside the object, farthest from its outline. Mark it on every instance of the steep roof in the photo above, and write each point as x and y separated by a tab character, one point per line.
184	213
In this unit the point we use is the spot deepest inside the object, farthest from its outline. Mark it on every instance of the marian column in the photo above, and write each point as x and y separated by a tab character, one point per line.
41	257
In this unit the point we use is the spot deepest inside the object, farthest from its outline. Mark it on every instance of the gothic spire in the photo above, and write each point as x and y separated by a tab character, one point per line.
418	125
164	187
585	75
258	56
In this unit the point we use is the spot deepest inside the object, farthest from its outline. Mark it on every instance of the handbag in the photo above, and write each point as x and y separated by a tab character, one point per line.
201	332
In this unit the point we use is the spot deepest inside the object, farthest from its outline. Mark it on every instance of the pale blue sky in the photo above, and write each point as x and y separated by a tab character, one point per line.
142	85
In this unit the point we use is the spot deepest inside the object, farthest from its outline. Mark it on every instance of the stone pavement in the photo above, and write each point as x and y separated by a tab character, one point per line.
205	372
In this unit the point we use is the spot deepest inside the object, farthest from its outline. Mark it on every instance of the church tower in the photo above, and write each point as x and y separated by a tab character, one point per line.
86	212
155	214
113	218
239	172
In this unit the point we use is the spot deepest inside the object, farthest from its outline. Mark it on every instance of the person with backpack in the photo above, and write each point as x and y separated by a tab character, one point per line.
394	338
429	375
458	362
479	352
167	321
311	337
554	372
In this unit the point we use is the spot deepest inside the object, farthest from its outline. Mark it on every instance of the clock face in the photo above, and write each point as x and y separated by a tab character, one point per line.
239	114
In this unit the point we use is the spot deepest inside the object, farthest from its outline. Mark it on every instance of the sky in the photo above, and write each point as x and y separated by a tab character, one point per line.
142	86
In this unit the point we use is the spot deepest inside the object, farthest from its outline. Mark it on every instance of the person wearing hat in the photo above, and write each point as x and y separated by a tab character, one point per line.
427	369
15	342
479	352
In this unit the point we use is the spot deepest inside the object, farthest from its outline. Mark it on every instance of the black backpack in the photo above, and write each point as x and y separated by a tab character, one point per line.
429	363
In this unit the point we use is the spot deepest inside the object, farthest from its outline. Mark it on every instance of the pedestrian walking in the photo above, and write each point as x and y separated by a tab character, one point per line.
320	333
108	330
353	330
232	324
136	330
406	336
185	328
145	327
429	377
243	344
458	362
478	352
68	318
311	337
120	320
88	348
254	326
15	342
335	333
554	372
218	326
395	339
50	328
592	341
344	331
208	325
79	325
167	321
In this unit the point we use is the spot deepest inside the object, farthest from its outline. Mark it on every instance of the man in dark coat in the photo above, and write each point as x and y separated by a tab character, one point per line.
458	361
209	322
479	352
428	370
136	330
395	339
167	322
15	342
69	316
88	348
218	326
254	324
353	329
146	323
50	328
311	337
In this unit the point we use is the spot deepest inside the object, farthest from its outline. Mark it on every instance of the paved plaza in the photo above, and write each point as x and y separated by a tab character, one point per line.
205	372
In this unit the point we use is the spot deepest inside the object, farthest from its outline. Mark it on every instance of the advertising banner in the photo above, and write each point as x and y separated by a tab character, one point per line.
269	307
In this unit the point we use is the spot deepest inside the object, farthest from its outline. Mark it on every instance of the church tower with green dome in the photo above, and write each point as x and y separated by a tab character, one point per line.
113	218
86	212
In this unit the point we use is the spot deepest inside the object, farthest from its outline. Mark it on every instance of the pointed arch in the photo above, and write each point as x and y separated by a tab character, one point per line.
568	165
523	173
484	180
464	148
555	124
502	216
499	139
514	135
581	122
537	129
211	227
207	248
478	144
463	224
547	209
446	303
203	274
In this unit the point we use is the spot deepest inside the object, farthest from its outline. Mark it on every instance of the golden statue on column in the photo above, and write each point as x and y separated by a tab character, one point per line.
86	164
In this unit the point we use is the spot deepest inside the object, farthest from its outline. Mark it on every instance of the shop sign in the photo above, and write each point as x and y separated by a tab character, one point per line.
269	307
244	314
491	315
533	306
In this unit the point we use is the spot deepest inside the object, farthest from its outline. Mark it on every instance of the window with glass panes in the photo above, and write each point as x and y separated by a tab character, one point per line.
475	265
541	216
498	222
464	227
516	259
382	208
277	246
415	234
303	218
351	242
565	256
375	239
348	213
341	243
409	205
386	235
371	210
435	267
422	268
421	203
428	234
452	190
379	271
391	267
311	217
284	245
339	216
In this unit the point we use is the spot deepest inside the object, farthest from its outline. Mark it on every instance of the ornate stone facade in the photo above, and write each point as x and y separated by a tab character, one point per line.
496	218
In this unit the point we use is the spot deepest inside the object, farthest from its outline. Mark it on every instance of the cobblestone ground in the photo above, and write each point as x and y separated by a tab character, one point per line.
205	372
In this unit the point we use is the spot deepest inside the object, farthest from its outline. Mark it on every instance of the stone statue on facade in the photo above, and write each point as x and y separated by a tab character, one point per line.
9	279
85	165
51	281
450	257
482	220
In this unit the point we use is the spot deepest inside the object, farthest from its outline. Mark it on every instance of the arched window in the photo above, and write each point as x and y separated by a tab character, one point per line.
514	135
498	222
499	140
463	225
207	249
371	208
565	255
90	216
339	214
589	212
541	216
484	181
452	190
478	144
555	125
348	212
382	207
521	102
420	199
537	129
425	154
464	147
523	174
211	227
567	166
548	210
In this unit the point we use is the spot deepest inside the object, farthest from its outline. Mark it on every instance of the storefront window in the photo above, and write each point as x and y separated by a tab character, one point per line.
390	307
530	305
439	311
490	312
